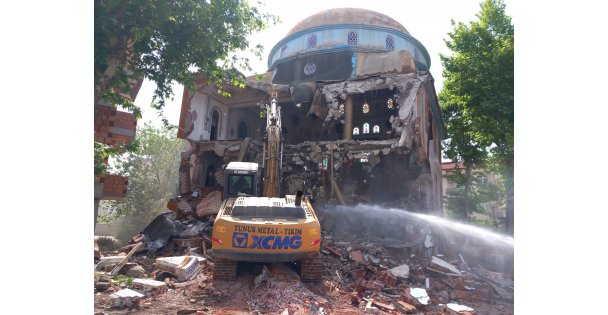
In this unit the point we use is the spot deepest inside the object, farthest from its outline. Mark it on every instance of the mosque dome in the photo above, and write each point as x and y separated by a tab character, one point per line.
325	45
347	16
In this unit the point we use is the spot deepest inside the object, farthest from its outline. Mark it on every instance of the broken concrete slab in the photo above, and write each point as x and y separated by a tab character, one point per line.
457	309
401	272
184	267
420	295
149	287
125	298
442	265
371	309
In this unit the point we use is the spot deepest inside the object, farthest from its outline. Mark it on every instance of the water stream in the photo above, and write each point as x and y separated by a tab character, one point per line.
389	222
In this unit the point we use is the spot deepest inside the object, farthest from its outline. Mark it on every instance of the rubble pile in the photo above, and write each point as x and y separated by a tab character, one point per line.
372	264
360	276
381	279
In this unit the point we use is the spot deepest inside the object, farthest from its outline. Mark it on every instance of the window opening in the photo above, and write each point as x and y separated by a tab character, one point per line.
240	184
356	131
390	42
311	41
376	129
353	38
215	122
243	130
365	128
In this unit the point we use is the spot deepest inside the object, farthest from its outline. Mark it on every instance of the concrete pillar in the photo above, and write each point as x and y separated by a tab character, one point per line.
348	118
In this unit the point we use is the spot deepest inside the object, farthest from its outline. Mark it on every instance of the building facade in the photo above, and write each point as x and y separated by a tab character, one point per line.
360	117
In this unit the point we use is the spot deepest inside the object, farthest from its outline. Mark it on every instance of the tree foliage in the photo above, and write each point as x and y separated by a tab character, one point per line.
153	178
478	94
167	41
482	192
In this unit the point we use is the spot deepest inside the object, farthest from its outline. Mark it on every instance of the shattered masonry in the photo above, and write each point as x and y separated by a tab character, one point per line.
407	160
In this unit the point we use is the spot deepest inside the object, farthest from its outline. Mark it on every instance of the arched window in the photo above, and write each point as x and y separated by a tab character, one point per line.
215	123
376	129
390	42
311	41
283	51
365	128
353	38
243	130
355	131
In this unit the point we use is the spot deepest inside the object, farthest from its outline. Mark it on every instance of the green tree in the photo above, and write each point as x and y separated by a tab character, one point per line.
480	192
153	179
477	96
168	41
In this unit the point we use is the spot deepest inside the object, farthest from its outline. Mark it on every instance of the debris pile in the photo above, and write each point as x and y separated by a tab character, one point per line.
404	267
346	170
382	279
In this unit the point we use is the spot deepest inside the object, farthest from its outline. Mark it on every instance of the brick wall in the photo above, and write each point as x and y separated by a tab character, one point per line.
113	126
114	186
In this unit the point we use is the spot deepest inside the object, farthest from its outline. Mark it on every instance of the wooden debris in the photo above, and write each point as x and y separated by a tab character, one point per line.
384	306
406	306
124	260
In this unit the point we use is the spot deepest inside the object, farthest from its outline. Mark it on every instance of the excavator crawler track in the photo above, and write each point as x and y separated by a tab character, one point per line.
224	270
311	269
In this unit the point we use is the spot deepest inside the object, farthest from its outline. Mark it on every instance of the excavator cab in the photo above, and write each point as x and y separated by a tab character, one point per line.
242	179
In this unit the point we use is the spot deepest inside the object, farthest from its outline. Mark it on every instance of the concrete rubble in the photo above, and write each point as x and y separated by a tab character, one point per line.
184	267
126	298
361	276
409	270
149	287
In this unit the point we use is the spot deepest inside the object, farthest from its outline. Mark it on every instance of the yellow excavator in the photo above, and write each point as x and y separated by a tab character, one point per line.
267	228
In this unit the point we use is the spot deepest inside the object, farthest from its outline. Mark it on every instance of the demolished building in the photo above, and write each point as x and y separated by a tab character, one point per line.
361	125
361	121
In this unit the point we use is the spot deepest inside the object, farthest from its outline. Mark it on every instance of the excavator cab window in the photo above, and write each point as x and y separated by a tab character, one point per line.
240	184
